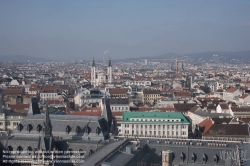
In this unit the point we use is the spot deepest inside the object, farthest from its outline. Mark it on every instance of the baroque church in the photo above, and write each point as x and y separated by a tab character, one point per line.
101	77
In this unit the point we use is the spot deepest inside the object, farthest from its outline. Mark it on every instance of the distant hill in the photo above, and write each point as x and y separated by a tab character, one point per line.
239	55
23	58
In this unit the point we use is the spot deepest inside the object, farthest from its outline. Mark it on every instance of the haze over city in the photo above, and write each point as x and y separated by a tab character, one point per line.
69	30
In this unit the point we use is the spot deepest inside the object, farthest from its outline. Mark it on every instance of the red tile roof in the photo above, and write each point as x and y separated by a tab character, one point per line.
18	106
224	106
205	125
117	91
244	96
232	90
85	113
117	113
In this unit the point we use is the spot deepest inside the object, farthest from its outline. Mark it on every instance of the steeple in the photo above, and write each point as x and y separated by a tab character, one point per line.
47	121
93	63
110	62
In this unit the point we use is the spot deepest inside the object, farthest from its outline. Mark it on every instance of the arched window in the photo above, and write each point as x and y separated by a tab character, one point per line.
20	127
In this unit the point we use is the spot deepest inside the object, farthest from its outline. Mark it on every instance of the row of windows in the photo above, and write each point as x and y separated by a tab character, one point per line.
158	120
8	123
139	83
154	126
120	108
48	94
159	133
148	96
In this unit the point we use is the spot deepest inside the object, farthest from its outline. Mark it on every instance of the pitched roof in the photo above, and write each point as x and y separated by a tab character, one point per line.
117	113
205	125
224	106
118	101
18	106
148	91
244	96
240	109
187	94
228	130
12	91
117	91
232	90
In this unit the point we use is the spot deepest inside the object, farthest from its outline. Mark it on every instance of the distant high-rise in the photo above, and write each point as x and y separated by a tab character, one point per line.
146	62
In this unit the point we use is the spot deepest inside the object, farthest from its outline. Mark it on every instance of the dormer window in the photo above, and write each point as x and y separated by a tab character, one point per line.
97	131
77	129
20	127
87	130
215	159
204	159
38	128
193	157
67	129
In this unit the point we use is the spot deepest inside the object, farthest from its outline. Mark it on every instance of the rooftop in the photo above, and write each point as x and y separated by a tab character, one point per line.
165	115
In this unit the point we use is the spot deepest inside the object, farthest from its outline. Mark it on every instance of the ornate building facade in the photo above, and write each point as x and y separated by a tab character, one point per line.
99	77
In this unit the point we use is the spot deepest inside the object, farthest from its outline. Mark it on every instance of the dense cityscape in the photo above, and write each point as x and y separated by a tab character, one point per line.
124	83
147	112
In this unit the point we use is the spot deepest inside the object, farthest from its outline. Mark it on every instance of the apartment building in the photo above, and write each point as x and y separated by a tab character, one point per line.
150	96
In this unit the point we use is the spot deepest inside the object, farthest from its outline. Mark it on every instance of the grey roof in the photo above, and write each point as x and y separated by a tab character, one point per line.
211	115
77	125
103	152
118	101
203	153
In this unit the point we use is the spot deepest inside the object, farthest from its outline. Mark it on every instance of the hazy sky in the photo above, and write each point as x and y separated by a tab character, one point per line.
78	29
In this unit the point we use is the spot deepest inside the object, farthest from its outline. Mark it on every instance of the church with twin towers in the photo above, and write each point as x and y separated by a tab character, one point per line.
99	77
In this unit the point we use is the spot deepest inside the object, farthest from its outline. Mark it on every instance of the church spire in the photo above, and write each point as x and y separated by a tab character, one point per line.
93	63
47	121
110	62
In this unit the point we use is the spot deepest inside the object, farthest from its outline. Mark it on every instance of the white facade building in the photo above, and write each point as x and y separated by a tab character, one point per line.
154	124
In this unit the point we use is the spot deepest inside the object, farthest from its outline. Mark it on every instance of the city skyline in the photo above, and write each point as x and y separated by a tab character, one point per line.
83	29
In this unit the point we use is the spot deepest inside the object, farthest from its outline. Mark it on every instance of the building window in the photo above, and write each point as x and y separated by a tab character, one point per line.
176	126
177	133
159	127
172	127
163	133
167	126
172	133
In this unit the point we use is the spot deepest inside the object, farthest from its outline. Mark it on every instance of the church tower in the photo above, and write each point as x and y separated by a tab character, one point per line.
109	72
93	73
